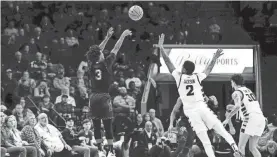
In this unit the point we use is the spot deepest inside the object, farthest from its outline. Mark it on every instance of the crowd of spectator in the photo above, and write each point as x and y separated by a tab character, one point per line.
45	90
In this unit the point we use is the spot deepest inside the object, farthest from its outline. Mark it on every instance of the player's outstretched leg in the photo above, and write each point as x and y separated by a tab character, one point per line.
109	133
219	129
253	142
204	138
97	133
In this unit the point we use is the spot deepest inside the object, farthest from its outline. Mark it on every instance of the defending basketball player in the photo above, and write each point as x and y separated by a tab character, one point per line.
253	119
190	90
100	70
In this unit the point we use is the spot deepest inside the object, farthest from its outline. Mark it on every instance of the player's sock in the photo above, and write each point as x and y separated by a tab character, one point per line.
222	132
204	138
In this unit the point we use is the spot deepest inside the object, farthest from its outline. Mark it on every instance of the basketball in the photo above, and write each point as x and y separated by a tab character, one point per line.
135	13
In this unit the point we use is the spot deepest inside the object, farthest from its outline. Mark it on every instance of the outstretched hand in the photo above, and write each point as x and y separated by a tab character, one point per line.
161	40
110	32
218	53
127	32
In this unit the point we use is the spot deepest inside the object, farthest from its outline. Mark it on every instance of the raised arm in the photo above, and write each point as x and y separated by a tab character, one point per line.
120	41
237	97
166	58
105	41
210	66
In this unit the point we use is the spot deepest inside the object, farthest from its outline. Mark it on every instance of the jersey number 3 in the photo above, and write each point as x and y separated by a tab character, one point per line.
190	90
98	74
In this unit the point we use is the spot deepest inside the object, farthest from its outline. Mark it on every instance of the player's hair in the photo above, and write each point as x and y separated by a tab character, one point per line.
189	66
238	79
94	53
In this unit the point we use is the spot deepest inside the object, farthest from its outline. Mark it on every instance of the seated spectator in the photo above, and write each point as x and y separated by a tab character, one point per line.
60	81
80	82
138	127
73	93
124	103
70	136
12	141
83	99
114	89
18	65
22	38
70	99
270	150
51	137
30	135
21	115
8	84
26	86
37	66
39	38
27	30
85	113
34	47
157	122
122	82
11	30
44	78
145	142
41	90
46	106
70	39
26	53
46	25
131	77
133	91
64	108
86	137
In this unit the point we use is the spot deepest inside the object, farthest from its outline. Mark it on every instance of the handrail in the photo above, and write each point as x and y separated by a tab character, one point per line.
34	104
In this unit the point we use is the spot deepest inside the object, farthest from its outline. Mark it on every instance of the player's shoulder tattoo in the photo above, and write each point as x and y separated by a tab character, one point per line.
236	95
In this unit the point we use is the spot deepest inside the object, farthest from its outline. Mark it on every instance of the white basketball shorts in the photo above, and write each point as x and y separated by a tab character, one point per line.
253	124
201	118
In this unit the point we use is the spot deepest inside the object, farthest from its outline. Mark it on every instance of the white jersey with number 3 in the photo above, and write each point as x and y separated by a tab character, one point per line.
249	102
189	88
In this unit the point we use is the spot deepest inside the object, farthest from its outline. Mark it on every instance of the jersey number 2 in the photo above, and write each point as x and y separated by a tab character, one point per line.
190	88
251	97
98	74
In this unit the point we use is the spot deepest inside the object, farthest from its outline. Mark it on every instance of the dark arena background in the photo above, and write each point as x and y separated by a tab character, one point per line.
46	80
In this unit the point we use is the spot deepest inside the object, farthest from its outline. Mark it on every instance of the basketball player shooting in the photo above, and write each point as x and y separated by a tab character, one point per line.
100	70
253	119
194	107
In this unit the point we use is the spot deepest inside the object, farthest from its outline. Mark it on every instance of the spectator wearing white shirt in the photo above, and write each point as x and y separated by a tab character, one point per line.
70	100
51	136
60	82
131	77
70	39
10	30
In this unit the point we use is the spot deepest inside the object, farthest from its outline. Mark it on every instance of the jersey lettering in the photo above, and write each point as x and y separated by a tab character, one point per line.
98	74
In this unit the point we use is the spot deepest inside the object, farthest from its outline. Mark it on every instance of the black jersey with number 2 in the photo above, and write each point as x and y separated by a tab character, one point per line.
101	74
